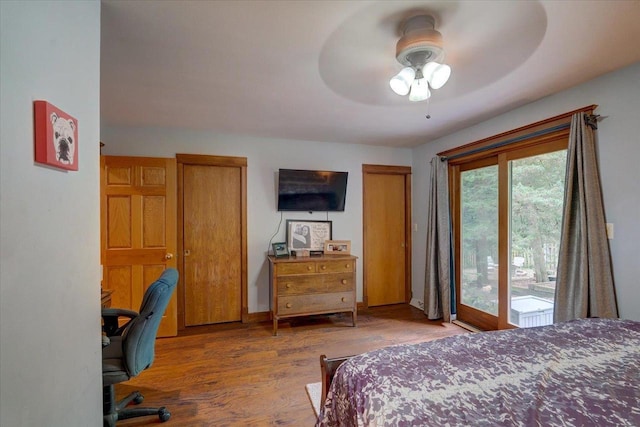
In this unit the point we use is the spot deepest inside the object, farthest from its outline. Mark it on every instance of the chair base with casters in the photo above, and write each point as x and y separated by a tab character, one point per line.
114	411
129	349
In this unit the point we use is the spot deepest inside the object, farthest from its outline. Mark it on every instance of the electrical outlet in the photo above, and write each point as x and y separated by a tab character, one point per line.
609	226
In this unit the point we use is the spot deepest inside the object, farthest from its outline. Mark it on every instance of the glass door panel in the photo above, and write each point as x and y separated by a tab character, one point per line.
479	239
535	212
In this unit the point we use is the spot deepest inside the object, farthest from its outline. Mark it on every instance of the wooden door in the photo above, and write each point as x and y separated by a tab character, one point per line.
138	229
387	238
213	240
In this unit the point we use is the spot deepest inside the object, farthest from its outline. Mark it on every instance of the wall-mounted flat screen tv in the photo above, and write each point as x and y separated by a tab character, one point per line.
311	190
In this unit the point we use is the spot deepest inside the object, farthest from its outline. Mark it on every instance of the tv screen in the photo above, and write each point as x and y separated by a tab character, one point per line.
307	190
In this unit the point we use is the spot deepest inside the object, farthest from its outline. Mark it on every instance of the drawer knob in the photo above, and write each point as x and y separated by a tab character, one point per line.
346	266
288	305
344	281
343	299
309	268
288	285
324	267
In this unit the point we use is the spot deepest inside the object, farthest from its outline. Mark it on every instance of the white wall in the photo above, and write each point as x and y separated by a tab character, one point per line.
264	158
618	96
50	350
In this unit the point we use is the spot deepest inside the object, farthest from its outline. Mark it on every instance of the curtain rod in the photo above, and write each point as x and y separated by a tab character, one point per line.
590	120
508	141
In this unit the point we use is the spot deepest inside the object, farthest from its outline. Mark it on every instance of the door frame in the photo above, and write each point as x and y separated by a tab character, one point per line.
225	161
389	170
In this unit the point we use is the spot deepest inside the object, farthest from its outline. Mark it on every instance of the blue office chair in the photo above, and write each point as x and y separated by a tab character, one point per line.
130	349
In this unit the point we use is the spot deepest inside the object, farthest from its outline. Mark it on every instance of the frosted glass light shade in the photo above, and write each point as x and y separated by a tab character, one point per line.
419	90
401	82
437	74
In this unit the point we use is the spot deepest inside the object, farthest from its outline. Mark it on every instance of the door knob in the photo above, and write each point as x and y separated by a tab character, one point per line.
168	256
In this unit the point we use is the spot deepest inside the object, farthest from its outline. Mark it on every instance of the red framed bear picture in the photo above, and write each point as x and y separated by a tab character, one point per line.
56	136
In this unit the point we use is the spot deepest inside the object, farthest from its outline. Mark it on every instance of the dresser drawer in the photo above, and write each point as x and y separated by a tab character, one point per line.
295	268
315	284
295	285
342	266
319	303
339	282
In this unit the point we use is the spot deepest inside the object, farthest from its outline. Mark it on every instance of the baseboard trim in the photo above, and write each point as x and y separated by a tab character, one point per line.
257	317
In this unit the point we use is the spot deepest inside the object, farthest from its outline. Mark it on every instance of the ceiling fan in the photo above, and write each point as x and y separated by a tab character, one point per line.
421	51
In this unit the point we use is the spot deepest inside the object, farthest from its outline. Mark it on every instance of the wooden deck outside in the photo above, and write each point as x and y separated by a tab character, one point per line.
241	375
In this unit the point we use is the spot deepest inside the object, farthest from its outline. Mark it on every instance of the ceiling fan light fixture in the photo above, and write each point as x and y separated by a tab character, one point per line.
419	90
437	74
421	50
401	82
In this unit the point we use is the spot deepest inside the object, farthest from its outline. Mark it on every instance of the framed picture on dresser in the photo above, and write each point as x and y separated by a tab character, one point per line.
309	235
280	249
337	247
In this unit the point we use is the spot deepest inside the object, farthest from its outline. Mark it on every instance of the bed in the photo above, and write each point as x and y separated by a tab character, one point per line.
579	373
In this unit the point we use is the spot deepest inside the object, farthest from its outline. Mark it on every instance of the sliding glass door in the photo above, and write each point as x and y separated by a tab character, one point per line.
507	218
479	240
536	185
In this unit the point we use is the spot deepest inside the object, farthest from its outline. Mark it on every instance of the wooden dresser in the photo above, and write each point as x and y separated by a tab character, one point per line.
312	285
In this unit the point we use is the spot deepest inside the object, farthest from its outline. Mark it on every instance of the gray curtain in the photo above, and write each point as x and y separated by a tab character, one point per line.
437	289
584	284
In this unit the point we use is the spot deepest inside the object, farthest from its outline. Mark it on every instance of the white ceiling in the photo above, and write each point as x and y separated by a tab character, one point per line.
320	70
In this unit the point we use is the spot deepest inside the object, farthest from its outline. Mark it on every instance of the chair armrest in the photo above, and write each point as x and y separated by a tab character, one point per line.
110	317
118	312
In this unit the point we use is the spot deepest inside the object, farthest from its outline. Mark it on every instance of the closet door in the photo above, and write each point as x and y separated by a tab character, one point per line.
387	238
213	240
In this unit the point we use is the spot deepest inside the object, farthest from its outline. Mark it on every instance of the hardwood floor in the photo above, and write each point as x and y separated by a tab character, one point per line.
241	375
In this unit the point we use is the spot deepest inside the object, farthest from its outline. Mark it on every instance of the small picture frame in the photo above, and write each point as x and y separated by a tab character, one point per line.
280	249
337	247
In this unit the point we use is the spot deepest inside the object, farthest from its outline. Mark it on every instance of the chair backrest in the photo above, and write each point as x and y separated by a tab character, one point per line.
139	338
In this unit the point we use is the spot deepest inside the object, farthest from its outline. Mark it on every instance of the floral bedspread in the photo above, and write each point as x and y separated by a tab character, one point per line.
579	373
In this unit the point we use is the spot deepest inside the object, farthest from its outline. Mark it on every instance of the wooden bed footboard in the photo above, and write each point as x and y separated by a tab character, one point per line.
328	368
